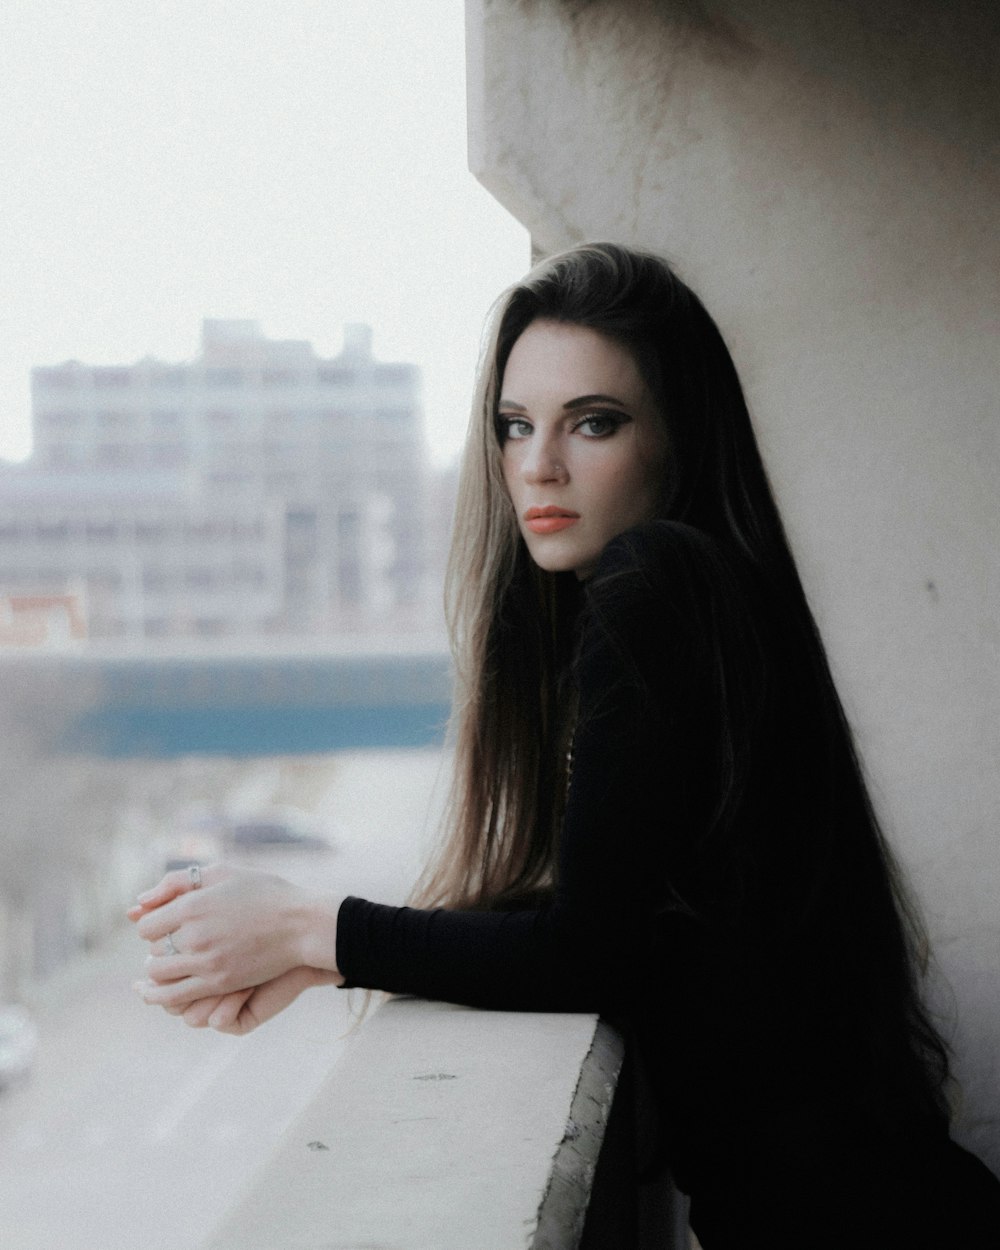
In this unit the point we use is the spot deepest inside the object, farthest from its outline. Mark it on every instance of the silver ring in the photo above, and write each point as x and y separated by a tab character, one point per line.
171	948
194	873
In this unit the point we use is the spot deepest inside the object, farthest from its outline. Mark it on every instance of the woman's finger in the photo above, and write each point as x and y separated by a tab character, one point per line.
166	918
175	993
227	1012
163	969
179	881
163	948
197	1015
172	885
264	1001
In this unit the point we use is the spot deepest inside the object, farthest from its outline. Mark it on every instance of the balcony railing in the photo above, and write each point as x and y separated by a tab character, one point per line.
447	1128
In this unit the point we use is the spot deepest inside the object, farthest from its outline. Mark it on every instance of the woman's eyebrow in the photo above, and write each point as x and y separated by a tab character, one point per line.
594	399
581	402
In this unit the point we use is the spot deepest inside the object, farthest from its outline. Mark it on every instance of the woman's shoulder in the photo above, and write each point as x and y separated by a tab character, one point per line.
673	599
658	536
669	561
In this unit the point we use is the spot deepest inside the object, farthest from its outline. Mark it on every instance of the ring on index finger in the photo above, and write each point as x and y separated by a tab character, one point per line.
194	874
171	948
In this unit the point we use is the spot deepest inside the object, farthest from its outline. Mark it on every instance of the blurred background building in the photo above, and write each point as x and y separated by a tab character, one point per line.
258	492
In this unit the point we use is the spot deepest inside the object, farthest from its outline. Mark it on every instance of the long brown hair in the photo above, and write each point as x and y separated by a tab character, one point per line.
511	633
509	720
508	620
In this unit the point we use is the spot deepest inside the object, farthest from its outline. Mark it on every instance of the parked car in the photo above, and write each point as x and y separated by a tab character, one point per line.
18	1043
281	829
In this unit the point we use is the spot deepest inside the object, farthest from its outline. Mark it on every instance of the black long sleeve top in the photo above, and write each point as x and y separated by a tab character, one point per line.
657	917
638	798
721	892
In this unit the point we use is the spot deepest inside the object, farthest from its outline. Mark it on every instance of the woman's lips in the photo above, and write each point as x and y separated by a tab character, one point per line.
549	520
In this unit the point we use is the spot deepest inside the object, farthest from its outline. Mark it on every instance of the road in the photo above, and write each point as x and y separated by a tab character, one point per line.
135	1130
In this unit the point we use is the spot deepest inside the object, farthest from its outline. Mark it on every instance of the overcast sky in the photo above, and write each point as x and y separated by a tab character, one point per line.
300	162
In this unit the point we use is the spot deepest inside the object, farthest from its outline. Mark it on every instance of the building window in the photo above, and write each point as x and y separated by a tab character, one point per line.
107	626
54	532
248	531
349	579
172	378
202	531
209	626
101	531
59	379
279	377
248	575
111	455
168	456
227	478
111	379
113	418
224	377
334	416
229	454
156	626
285	480
63	455
198	578
165	419
300	534
221	416
48	580
150	531
60	419
333	375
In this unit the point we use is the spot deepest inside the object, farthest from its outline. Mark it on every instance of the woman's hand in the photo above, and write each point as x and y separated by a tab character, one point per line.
242	928
244	1010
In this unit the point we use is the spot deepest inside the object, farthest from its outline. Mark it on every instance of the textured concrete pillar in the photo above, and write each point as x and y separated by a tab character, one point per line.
826	175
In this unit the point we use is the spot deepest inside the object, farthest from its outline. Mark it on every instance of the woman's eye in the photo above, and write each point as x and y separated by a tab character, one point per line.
600	424
512	427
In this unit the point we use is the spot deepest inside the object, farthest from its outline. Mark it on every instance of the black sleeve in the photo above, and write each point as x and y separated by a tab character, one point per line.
639	789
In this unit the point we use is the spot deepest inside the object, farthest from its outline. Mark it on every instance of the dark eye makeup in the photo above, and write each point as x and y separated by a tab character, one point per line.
593	425
601	424
506	427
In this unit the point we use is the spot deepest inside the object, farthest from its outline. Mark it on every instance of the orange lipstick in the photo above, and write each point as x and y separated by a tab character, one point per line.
549	520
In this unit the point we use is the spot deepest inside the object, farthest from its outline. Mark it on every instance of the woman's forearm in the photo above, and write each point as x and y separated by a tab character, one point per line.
317	922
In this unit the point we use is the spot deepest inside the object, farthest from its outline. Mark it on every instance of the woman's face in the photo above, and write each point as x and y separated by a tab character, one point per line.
584	448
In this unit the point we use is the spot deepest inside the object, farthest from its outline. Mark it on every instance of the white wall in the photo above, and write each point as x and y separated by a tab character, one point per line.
825	175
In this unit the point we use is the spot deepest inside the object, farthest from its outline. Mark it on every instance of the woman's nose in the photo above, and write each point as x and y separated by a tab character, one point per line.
543	463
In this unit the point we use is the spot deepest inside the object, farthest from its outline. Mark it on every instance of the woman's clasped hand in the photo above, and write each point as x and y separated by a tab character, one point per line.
231	947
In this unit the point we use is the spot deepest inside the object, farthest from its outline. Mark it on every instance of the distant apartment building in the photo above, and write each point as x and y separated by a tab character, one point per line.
258	490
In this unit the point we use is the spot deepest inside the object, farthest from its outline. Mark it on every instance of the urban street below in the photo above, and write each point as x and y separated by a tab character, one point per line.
136	1130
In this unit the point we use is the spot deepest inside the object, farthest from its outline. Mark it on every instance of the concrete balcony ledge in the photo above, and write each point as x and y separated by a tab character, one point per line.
442	1128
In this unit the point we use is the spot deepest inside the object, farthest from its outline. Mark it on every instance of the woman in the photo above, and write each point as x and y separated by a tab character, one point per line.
658	812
